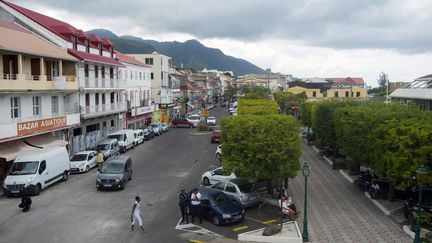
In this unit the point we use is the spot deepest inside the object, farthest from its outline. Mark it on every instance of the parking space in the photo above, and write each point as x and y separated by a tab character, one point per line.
255	218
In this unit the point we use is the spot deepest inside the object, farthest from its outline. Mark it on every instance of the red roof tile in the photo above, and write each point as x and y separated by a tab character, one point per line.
94	58
124	58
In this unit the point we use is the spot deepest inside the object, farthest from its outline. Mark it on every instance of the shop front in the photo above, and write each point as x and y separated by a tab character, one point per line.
139	117
166	112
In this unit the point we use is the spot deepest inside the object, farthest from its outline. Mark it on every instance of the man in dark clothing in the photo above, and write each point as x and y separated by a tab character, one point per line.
183	199
25	203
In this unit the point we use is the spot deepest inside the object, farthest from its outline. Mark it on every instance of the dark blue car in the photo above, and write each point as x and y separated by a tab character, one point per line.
219	208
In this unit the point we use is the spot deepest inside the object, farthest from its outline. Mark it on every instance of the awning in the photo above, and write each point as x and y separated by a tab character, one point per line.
10	150
84	56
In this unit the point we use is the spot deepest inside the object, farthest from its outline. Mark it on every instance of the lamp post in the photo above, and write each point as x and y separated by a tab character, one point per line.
305	171
421	175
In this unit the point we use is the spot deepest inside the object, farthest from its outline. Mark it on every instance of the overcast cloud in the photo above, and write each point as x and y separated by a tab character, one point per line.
302	33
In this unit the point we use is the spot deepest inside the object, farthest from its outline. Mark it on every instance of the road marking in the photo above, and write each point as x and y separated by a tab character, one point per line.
196	241
270	221
252	219
195	229
240	228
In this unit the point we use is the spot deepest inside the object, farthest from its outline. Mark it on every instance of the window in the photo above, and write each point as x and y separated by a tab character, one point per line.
131	75
346	94
36	105
96	72
314	94
87	45
162	76
100	49
219	186
112	123
111	73
54	104
230	188
103	72
336	93
42	166
151	76
112	51
86	70
358	94
74	42
149	61
140	74
15	107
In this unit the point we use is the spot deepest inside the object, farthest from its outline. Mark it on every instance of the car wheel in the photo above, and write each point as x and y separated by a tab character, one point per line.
130	178
87	168
218	156
38	189
121	186
65	176
206	181
191	126
216	220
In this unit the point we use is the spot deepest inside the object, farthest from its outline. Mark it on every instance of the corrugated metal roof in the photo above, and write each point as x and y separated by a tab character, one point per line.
95	58
421	94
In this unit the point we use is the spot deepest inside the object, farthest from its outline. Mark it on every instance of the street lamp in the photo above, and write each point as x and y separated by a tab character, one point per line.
305	171
421	175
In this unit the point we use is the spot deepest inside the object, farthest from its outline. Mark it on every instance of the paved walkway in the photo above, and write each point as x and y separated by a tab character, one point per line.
337	211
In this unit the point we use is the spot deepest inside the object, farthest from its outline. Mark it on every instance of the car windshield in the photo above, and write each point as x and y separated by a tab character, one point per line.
220	198
211	118
103	147
246	187
112	168
119	137
145	130
194	118
155	125
79	157
24	168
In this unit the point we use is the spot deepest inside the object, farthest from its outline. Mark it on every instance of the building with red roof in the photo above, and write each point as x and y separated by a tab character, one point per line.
100	88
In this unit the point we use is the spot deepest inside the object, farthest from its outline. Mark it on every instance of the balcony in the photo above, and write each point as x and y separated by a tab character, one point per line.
103	83
24	82
102	110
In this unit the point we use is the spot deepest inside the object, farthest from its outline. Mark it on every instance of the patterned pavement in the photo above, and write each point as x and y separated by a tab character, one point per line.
337	211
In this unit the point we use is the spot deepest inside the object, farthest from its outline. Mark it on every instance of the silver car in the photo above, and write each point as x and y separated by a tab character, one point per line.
157	129
241	191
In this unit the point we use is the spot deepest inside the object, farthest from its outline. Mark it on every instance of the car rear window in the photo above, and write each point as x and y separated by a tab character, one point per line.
246	187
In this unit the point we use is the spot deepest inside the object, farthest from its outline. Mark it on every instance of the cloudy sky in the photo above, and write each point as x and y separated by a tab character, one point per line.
306	38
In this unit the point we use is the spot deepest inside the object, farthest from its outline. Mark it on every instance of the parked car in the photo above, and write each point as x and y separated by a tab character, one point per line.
215	137
211	121
195	119
157	129
125	138
115	173
182	122
218	207
83	161
139	136
241	191
109	147
215	176
33	171
219	152
148	132
165	127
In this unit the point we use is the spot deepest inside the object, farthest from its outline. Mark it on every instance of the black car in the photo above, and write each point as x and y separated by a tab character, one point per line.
219	207
148	133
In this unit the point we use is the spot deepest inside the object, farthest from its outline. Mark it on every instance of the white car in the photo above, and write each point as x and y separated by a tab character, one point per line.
215	176
139	136
83	161
195	119
219	152
211	120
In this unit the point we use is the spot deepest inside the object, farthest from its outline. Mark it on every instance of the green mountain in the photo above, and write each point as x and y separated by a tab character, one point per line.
189	54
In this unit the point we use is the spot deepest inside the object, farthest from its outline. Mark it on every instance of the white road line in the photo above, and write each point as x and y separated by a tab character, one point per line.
200	230
253	219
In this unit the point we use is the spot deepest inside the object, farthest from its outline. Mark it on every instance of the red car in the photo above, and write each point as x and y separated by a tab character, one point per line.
215	137
181	122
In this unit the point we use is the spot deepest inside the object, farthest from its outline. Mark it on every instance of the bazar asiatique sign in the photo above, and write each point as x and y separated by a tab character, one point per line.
43	125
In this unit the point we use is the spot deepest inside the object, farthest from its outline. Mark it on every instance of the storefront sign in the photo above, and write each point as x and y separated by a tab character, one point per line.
142	110
167	105
37	126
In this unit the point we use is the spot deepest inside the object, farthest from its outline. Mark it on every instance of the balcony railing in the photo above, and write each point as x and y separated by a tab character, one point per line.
103	109
6	76
94	83
18	82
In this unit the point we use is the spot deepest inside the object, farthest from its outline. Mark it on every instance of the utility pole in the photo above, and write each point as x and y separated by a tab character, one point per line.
268	71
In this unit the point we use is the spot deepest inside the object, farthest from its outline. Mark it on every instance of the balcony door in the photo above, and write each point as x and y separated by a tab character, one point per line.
35	68
10	65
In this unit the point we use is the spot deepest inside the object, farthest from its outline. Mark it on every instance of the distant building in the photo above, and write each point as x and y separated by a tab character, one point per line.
397	85
329	88
418	92
274	81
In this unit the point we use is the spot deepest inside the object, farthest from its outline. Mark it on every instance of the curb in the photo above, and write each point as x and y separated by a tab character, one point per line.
314	148
328	160
346	176
382	208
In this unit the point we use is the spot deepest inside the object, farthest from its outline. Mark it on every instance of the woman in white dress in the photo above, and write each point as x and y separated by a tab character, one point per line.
135	215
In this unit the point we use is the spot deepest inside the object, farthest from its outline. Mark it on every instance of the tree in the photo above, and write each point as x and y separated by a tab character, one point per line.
288	100
261	147
383	81
306	113
257	107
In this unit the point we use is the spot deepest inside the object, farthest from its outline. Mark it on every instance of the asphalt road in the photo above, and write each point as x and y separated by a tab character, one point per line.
74	211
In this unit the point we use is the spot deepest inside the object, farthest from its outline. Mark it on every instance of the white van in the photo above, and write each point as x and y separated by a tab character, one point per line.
125	138
139	136
35	170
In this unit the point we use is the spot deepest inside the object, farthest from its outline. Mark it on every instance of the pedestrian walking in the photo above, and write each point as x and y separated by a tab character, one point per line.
25	203
196	205
183	205
135	215
99	159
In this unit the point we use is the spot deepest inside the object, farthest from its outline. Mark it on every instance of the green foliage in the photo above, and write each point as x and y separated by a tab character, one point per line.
253	92
383	81
287	100
257	107
261	147
306	113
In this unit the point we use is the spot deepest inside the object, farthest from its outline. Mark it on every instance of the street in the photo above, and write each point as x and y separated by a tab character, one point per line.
74	211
